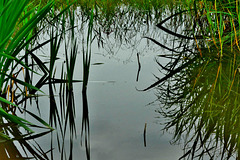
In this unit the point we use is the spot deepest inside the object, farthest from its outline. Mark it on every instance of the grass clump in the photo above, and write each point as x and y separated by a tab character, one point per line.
18	23
216	21
14	39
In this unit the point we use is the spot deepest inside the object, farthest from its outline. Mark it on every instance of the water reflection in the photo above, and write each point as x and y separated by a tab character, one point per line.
201	104
14	144
119	29
199	94
85	125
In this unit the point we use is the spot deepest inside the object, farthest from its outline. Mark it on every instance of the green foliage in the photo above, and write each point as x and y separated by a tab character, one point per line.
11	44
217	21
17	23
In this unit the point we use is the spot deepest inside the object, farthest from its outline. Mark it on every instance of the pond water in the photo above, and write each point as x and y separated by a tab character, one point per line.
118	112
114	118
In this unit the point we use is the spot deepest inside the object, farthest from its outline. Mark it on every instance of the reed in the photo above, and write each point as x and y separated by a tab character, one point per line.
13	41
217	21
17	36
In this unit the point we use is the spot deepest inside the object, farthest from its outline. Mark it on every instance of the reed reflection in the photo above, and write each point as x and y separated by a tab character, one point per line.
85	132
201	105
13	141
199	95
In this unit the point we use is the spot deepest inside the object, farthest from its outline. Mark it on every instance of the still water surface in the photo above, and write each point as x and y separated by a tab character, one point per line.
117	110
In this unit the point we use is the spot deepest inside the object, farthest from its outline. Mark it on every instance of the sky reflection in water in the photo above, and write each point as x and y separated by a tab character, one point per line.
117	111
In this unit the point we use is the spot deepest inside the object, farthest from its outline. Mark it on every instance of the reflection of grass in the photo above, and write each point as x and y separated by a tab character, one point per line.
202	102
10	150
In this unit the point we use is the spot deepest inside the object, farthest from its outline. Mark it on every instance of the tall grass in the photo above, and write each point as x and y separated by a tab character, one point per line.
17	34
13	41
217	21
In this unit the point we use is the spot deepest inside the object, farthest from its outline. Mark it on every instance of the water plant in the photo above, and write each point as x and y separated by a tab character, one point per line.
216	21
87	52
17	36
13	41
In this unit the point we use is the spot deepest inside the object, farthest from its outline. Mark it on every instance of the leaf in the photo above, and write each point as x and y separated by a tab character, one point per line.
13	118
21	82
